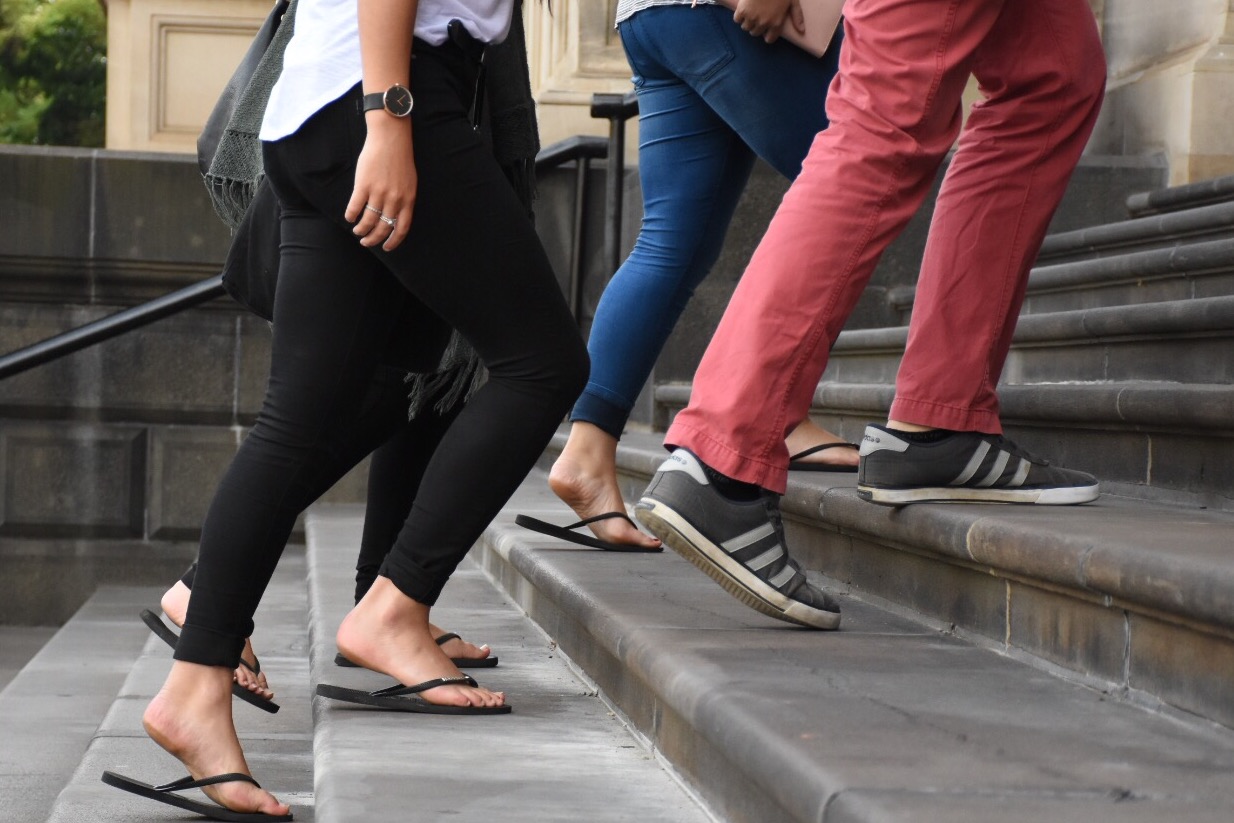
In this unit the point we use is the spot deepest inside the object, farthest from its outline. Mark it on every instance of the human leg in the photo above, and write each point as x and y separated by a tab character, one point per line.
502	296
708	94
395	471
860	183
1042	72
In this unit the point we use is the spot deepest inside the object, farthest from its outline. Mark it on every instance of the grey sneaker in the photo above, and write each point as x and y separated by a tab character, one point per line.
963	466
739	545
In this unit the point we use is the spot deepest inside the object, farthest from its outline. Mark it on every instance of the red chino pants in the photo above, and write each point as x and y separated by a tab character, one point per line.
895	110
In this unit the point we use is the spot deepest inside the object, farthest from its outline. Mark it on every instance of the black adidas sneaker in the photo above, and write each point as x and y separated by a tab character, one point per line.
967	466
739	544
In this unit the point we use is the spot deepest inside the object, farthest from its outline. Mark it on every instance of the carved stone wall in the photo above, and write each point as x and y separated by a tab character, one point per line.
167	61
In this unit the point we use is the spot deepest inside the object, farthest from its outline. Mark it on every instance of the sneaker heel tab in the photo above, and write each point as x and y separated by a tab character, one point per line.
682	460
877	438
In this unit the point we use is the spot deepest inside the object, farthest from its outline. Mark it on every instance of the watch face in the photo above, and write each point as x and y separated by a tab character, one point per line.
398	101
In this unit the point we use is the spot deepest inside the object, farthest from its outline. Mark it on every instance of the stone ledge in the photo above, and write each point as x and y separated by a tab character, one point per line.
842	726
1199	223
1219	189
1168	566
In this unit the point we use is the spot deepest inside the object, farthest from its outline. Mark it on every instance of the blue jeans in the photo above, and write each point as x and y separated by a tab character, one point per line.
710	98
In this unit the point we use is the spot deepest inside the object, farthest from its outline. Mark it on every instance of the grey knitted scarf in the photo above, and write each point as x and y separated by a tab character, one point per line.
236	168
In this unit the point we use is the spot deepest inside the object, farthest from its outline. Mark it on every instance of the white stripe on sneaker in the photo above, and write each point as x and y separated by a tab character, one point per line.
1000	463
778	580
1021	474
974	463
736	544
765	559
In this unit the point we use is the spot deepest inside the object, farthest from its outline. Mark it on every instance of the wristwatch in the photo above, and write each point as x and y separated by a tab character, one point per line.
396	100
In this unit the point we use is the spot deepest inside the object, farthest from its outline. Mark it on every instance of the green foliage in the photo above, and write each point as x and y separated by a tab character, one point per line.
53	72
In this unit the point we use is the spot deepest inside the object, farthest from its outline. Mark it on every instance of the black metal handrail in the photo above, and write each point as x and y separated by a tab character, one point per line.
113	325
582	148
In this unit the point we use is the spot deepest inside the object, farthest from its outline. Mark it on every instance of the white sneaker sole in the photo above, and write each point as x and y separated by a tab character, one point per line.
735	578
1068	496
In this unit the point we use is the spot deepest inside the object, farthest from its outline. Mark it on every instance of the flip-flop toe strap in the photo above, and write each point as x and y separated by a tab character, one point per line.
820	448
447	637
400	690
187	782
600	517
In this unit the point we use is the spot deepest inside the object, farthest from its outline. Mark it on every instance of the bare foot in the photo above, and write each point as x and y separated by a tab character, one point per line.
175	605
458	647
191	718
389	632
808	435
585	478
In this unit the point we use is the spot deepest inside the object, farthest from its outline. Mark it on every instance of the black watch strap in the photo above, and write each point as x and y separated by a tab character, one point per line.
374	101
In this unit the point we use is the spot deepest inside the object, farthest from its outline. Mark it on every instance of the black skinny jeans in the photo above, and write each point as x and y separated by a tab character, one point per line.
473	260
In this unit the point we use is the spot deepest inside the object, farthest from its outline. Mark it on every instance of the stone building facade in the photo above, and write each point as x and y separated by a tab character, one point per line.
1171	79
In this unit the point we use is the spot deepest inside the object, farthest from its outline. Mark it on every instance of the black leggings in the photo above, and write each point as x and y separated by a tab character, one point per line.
473	260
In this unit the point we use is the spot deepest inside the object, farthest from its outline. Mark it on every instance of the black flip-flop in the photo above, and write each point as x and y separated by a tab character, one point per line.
796	464
461	662
400	698
163	794
169	637
565	533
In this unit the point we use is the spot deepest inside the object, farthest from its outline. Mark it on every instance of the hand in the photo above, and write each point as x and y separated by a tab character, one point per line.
765	18
385	187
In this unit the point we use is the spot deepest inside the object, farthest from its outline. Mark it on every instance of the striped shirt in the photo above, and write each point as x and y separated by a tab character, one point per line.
627	8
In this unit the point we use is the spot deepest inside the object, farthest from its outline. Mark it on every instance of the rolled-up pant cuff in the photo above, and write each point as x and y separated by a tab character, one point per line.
208	648
602	413
412	580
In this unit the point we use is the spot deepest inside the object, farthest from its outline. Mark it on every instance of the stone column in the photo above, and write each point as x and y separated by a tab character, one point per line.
574	51
1171	84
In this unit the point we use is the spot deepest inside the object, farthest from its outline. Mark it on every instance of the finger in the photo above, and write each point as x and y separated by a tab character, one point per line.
402	226
367	221
378	234
355	206
798	17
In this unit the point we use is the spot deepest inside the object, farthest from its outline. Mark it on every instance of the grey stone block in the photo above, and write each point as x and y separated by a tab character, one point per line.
186	464
72	480
46	581
154	207
1186	668
1082	636
45	202
178	370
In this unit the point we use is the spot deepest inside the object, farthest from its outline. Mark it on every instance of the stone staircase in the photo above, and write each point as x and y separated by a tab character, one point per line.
995	662
1121	366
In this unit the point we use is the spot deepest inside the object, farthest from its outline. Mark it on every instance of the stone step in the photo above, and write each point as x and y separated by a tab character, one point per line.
1159	231
1183	272
1182	341
278	747
52	706
561	755
1167	442
895	717
1217	190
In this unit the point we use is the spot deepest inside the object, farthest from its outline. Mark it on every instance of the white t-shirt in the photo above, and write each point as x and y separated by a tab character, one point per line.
322	60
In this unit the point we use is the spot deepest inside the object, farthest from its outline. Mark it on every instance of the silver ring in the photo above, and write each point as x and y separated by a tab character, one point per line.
389	221
372	208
